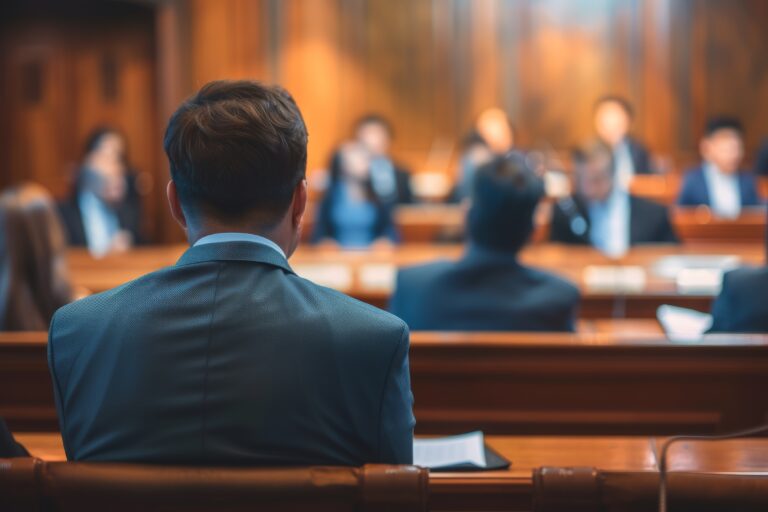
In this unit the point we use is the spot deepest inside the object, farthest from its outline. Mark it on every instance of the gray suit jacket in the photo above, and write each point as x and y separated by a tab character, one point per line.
229	357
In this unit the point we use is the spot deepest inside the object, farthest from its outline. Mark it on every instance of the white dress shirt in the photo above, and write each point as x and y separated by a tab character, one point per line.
218	238
609	224
99	222
724	192
625	168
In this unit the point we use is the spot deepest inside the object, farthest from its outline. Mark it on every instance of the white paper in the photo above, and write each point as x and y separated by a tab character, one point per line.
377	276
681	324
669	267
440	452
607	278
700	281
332	275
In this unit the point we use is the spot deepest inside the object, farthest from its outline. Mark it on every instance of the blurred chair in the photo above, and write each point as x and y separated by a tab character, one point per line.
83	487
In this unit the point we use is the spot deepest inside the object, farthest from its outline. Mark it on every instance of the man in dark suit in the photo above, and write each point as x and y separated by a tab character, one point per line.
488	289
719	182
613	119
390	181
741	305
229	357
761	160
603	214
104	211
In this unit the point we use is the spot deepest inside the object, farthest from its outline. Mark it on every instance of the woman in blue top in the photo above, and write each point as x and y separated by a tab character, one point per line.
351	213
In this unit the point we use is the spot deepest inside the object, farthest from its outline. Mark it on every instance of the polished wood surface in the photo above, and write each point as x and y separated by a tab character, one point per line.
614	383
512	489
369	274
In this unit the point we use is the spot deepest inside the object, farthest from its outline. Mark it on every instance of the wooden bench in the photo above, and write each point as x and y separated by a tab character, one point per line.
515	489
518	383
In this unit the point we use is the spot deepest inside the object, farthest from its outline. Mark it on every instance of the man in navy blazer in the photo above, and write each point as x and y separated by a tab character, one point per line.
719	182
602	213
228	357
489	289
613	117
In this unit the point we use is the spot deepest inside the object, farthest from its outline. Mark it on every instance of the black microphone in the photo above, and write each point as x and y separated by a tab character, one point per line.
669	442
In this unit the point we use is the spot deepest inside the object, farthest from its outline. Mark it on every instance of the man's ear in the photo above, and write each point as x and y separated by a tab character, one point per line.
175	204
299	203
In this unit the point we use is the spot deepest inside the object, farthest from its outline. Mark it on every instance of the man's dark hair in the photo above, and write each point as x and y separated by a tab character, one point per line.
505	194
379	119
592	150
237	148
619	100
718	123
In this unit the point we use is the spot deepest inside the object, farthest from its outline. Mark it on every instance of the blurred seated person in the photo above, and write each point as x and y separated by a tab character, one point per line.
719	182
351	213
741	307
475	152
613	120
390	182
33	275
104	213
9	448
603	214
494	126
488	289
761	161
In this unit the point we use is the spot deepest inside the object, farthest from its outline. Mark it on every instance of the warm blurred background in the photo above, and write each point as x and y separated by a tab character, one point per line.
429	66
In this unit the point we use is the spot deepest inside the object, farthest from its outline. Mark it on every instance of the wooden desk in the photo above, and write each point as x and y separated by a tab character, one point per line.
430	223
512	489
369	274
518	383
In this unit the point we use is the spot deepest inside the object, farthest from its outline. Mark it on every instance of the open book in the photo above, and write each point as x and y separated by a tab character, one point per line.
465	452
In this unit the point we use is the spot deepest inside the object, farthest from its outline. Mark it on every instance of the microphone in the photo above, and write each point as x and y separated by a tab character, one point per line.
669	442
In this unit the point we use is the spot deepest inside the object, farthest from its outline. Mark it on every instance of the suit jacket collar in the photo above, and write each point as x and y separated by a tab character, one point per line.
234	251
634	221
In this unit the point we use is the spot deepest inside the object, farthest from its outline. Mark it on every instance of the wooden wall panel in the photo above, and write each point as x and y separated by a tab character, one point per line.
430	65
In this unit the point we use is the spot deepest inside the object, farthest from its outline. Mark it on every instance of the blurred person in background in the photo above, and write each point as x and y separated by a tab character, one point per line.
351	212
495	128
761	160
603	214
719	182
613	117
9	448
488	289
104	212
390	181
475	152
741	306
33	274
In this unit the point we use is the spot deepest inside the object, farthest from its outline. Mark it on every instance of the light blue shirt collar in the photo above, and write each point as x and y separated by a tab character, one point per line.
218	238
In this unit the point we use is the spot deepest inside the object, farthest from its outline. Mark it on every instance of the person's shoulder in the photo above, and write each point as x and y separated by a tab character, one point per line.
98	306
649	206
423	272
747	277
353	311
563	287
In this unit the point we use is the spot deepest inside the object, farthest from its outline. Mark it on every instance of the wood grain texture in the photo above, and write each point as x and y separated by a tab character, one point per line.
429	65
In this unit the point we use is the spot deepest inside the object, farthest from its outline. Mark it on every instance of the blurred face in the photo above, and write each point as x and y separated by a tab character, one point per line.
107	169
611	122
595	179
493	126
724	149
375	137
355	162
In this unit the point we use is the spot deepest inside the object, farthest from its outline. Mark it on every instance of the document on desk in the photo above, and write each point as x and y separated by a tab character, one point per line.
442	452
681	324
